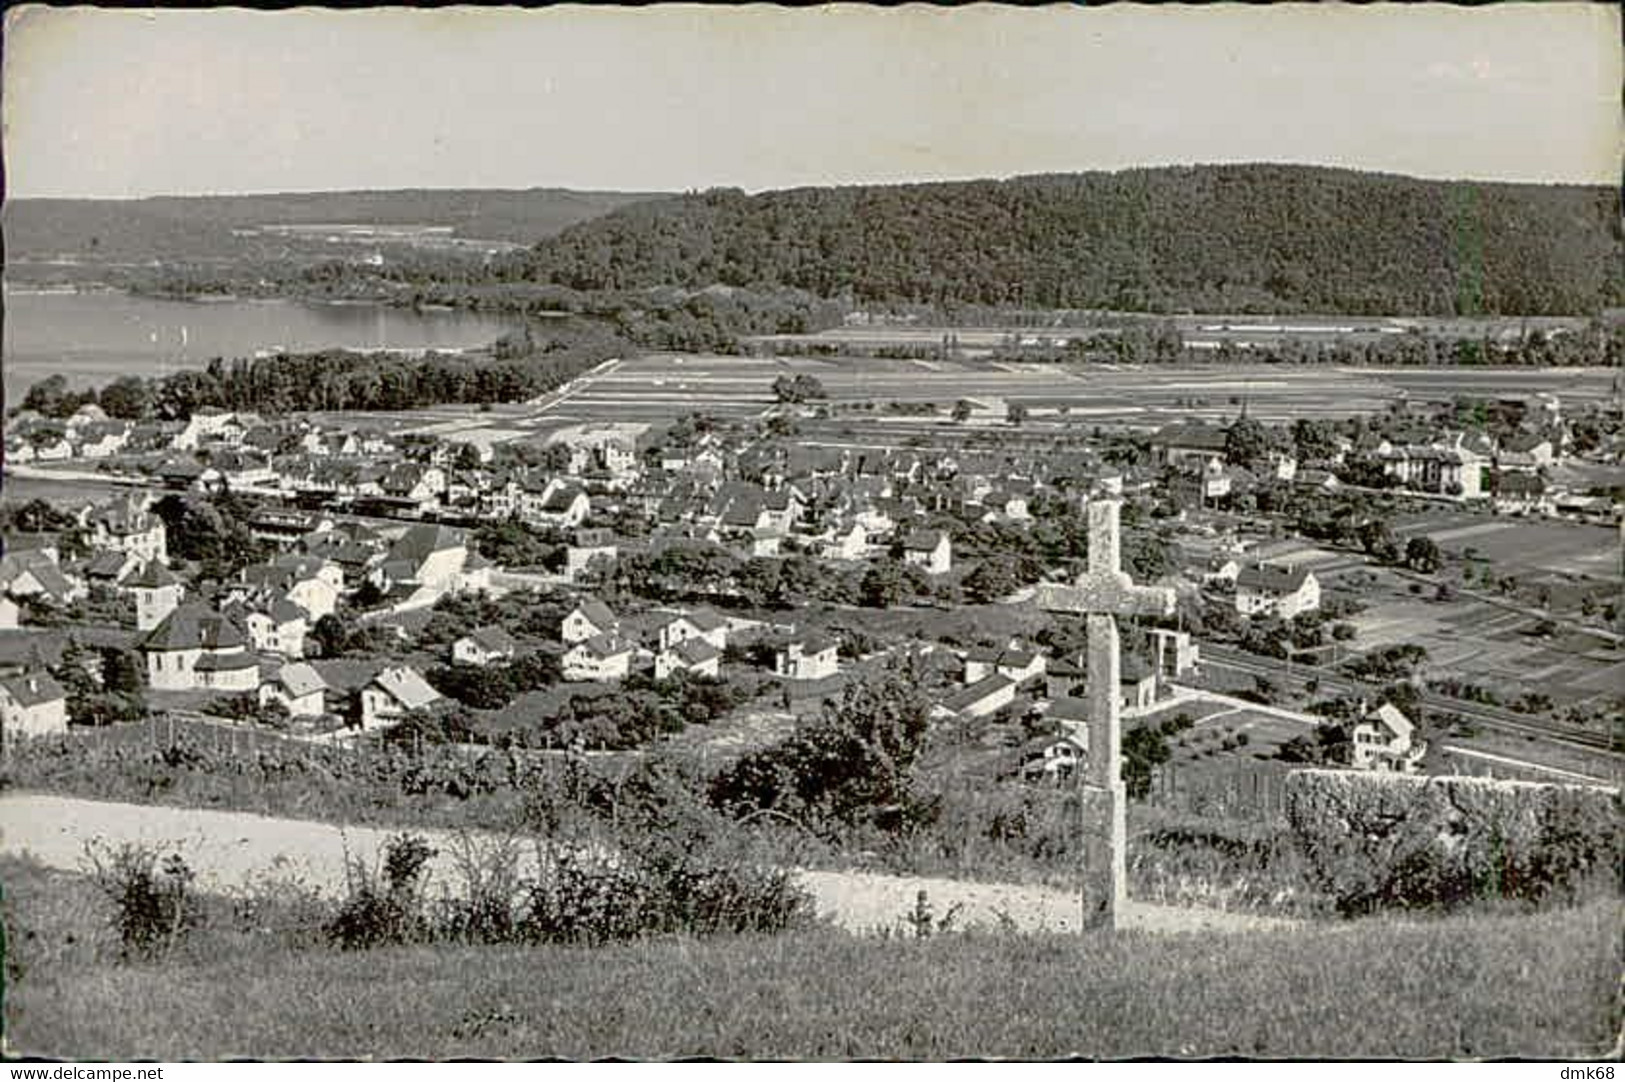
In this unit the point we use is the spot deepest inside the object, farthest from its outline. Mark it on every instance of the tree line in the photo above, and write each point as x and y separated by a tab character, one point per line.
1245	238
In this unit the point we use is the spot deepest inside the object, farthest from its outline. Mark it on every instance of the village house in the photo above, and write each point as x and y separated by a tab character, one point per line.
1449	471
991	693
585	547
198	648
427	563
1271	590
848	543
32	704
34	575
699	624
557	503
600	658
929	549
309	582
1384	739
1012	661
806	659
397	690
285	527
694	655
1055	758
102	439
484	646
125	524
107	569
589	619
277	628
299	688
239	469
1173	653
1188	440
413	483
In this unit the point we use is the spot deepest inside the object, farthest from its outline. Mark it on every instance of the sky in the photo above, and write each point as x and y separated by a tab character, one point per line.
124	103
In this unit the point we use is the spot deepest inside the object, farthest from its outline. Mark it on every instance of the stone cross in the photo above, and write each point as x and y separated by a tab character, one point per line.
1104	592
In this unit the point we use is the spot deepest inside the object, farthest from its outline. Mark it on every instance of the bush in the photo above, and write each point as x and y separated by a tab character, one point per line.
156	907
1376	841
375	914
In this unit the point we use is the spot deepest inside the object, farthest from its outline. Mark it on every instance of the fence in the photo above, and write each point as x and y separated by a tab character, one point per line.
1252	790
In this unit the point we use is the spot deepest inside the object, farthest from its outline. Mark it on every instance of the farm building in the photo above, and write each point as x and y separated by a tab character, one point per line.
991	693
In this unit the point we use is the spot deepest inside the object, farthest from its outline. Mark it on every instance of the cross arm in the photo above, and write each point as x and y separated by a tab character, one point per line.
1110	594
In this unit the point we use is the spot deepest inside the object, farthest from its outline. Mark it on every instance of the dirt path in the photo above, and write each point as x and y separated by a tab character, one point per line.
228	849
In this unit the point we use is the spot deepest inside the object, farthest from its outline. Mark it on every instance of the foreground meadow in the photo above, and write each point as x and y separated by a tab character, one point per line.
1541	986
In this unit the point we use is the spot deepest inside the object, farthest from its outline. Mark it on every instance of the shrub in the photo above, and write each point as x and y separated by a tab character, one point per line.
155	905
374	913
1375	841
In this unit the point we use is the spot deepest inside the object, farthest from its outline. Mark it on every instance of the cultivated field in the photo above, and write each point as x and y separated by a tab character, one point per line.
1561	548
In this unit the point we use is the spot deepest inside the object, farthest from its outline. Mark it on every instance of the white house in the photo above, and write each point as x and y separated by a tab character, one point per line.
602	657
1385	739
1271	590
589	619
700	624
32	704
483	646
126	525
929	549
585	547
850	543
197	648
1056	758
394	692
1012	662
691	655
299	688
806	659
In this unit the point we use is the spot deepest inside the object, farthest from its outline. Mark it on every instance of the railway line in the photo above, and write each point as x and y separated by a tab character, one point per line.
1487	716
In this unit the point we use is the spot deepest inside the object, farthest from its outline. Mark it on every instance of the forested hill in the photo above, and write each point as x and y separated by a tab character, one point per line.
1260	238
201	227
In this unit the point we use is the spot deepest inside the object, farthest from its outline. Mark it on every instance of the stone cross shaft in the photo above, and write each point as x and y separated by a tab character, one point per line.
1103	593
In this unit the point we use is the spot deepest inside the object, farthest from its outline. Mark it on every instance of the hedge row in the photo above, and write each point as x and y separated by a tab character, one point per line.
1378	841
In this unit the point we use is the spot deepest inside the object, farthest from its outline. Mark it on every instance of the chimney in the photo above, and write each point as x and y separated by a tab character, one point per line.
33	685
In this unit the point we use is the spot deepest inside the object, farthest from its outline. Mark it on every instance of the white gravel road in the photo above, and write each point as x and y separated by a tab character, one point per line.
229	849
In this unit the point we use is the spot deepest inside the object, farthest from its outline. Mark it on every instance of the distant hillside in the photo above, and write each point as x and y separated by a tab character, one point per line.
200	227
1259	238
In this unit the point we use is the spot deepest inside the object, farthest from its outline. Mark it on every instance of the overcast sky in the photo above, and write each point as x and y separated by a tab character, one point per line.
123	103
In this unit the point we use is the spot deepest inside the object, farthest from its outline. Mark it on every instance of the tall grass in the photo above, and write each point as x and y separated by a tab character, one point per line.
1541	986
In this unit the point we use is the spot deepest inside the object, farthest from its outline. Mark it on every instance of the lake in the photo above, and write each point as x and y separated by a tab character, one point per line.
93	338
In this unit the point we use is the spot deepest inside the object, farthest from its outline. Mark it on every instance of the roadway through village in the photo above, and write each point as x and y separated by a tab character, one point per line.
232	851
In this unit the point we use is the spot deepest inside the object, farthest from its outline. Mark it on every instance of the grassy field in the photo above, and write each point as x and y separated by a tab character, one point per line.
1542	987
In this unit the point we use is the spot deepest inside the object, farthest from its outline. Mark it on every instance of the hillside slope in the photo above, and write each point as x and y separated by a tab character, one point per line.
200	227
1261	238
